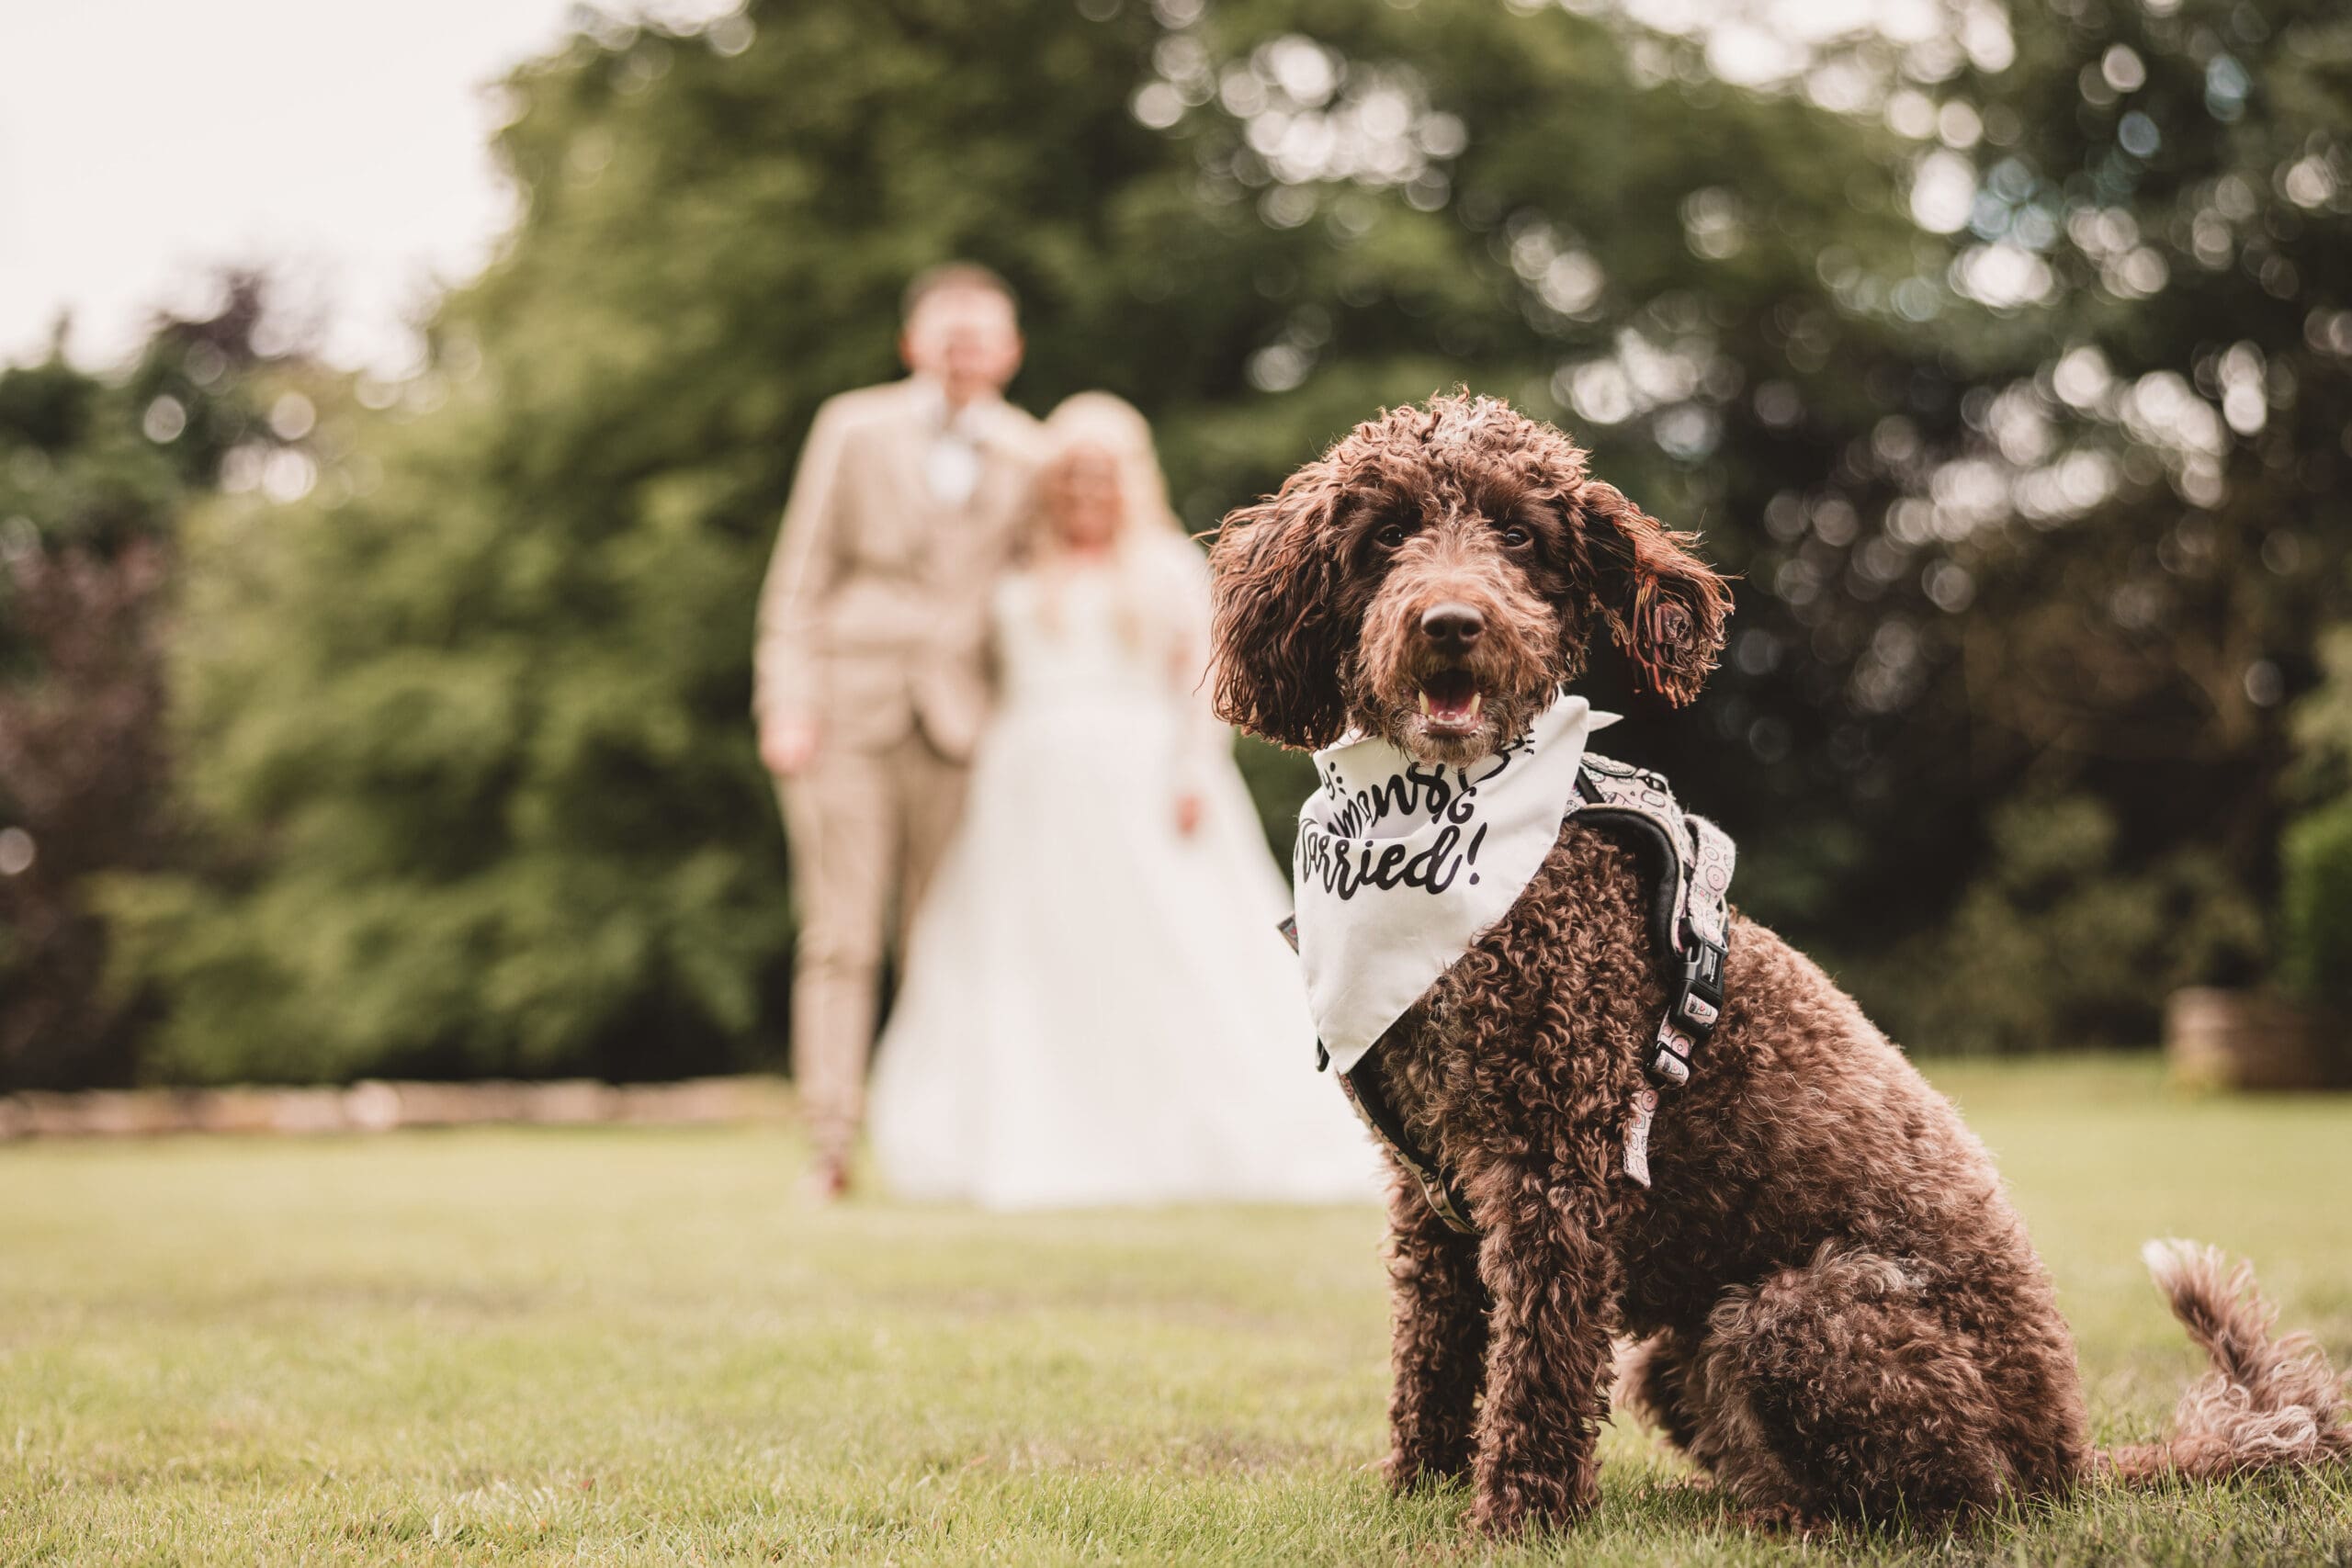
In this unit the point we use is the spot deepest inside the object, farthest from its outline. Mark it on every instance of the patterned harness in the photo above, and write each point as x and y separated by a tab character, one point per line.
1689	861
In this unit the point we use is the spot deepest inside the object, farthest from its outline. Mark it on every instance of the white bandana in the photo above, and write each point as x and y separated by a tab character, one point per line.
1402	865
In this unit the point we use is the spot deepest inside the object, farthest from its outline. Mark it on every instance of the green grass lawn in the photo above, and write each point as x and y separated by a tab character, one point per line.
632	1345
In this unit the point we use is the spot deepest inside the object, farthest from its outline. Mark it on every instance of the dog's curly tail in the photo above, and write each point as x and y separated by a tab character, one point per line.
2268	1403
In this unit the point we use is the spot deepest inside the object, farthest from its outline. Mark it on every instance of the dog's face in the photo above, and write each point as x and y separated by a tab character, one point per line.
1436	575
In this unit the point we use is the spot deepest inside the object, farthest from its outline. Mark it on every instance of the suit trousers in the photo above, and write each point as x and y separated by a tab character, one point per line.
867	827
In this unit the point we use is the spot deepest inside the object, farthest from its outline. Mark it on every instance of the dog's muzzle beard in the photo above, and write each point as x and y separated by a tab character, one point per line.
1450	668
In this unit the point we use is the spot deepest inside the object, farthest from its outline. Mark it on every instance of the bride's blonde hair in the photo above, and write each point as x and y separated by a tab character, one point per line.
1100	421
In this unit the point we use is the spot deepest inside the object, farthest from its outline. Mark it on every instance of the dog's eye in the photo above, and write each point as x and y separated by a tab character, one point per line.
1391	535
1516	537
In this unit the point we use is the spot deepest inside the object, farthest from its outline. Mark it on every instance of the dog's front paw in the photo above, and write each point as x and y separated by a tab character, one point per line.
1784	1518
1505	1512
1408	1468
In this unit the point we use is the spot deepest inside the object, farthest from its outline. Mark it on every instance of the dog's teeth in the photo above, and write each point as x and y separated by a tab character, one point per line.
1425	704
1477	698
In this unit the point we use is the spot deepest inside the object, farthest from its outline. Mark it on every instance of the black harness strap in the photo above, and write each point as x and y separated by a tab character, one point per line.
1361	1084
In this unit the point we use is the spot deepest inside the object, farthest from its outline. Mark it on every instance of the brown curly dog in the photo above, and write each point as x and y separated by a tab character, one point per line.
1841	1315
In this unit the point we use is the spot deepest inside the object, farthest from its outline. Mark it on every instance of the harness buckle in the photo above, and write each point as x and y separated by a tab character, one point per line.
1698	1000
1697	1007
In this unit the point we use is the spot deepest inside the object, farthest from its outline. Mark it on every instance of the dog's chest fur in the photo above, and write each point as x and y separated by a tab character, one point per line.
1528	1051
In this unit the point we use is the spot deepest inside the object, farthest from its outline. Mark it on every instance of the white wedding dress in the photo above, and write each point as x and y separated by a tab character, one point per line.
1097	1009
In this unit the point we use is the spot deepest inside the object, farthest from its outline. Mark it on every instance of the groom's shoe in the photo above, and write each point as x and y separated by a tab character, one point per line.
826	1183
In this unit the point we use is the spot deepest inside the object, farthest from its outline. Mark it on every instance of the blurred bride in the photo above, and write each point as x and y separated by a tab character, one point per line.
1097	1006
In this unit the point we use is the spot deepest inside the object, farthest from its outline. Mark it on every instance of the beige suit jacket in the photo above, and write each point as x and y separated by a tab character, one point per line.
874	617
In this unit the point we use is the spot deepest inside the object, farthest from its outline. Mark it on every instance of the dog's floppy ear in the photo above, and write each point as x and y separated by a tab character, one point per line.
1664	605
1275	640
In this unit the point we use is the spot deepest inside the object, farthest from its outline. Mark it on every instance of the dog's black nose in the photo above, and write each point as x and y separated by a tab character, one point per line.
1453	628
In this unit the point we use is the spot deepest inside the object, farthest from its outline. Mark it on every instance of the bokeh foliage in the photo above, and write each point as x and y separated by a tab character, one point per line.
96	473
2008	371
2316	903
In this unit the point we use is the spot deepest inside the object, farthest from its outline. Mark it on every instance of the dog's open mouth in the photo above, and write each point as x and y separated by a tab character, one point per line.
1451	702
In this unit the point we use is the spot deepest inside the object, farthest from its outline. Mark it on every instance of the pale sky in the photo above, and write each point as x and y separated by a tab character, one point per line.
145	142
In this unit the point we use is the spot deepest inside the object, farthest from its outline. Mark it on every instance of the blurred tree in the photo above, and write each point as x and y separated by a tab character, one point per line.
2317	900
481	717
2138	510
485	721
82	791
94	476
1924	331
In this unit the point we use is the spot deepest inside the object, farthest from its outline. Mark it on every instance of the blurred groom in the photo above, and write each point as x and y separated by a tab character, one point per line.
870	682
